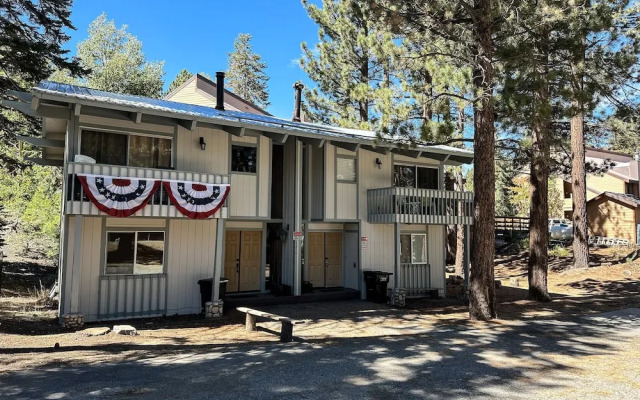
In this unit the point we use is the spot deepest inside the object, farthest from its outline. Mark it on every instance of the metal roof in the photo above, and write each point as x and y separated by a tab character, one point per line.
67	92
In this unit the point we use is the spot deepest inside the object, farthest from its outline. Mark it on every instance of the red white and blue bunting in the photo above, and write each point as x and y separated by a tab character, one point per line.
196	200
117	196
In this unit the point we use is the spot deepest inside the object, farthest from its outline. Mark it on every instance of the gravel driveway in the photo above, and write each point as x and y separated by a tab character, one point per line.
591	357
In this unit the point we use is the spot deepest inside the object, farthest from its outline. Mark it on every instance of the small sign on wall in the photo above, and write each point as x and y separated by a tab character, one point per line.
298	236
364	242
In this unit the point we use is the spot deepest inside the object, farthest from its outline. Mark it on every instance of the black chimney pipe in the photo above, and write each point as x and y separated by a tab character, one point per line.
298	86
220	91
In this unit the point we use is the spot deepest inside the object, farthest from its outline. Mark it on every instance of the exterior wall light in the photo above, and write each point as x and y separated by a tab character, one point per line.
203	145
379	163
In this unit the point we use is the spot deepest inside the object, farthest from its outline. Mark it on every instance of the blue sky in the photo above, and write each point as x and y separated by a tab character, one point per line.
197	35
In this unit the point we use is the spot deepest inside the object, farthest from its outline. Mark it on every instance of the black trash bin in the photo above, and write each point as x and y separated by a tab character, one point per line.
376	283
205	290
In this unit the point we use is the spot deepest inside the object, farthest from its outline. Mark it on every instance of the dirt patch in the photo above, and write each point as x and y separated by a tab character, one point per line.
28	336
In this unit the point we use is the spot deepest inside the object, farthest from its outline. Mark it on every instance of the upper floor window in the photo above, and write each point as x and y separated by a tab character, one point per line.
244	159
415	177
126	149
346	169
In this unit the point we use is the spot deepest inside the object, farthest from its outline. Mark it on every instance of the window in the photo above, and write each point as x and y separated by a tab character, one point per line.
415	177
413	248
123	149
346	169
134	253
244	159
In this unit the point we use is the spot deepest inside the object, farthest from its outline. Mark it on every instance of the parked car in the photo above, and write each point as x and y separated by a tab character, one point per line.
556	221
562	232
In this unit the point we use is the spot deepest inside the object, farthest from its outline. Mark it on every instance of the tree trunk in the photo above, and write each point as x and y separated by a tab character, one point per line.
539	188
482	302
578	174
459	186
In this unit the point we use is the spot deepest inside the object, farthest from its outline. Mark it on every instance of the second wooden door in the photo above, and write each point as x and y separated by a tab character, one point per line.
325	259
243	256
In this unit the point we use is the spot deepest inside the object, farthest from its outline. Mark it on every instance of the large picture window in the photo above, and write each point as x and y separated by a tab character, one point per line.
134	253
415	177
244	159
413	248
126	149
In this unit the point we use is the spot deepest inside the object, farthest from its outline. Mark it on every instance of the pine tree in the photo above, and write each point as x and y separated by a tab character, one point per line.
181	78
116	61
246	72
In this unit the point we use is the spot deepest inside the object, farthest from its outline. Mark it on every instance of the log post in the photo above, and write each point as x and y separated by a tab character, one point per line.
286	333
250	323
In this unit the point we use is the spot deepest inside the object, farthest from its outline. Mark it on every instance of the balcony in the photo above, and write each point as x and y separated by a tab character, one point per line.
159	206
419	206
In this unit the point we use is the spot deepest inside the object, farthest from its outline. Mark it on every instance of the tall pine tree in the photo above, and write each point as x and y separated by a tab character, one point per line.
246	72
181	78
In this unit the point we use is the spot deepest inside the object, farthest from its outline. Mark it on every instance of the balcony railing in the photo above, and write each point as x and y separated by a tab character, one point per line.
419	206
77	201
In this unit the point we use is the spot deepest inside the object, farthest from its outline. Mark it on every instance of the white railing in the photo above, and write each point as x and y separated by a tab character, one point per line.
415	278
77	201
419	206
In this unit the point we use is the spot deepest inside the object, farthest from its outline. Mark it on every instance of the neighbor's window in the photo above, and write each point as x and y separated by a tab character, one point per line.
134	253
346	169
415	177
111	148
413	248
244	158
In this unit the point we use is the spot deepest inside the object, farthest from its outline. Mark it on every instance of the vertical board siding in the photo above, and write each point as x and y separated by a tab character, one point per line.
611	219
124	125
380	252
347	202
190	257
436	248
243	196
289	174
329	181
264	176
213	160
317	182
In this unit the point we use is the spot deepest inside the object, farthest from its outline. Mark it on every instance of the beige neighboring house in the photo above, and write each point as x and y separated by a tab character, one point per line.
201	91
613	205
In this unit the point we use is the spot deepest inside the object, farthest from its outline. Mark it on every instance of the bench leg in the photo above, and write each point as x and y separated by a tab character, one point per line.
250	323
286	333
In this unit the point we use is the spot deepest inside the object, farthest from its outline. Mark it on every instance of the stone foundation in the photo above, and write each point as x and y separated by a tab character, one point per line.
397	297
213	309
73	321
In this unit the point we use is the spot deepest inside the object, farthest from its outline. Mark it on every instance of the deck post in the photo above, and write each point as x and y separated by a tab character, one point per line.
467	254
218	264
297	252
76	270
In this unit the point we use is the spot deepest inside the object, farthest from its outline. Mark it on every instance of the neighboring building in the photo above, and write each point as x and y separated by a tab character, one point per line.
201	91
145	213
615	215
622	178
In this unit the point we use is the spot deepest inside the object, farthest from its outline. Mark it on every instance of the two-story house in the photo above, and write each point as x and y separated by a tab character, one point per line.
160	194
613	197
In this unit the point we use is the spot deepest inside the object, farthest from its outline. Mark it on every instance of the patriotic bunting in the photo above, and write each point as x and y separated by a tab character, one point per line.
116	196
196	200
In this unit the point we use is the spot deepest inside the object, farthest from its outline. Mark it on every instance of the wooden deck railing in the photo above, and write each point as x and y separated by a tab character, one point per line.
415	278
419	206
77	201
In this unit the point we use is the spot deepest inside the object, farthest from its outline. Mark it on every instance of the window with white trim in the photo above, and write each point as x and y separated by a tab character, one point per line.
413	248
134	253
346	169
415	177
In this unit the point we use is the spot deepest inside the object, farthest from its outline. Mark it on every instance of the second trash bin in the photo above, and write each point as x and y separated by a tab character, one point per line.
376	283
205	290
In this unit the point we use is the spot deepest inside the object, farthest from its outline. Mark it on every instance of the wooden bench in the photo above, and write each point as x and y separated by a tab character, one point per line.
286	332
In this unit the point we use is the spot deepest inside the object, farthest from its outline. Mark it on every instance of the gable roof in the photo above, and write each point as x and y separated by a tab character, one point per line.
207	88
62	92
626	199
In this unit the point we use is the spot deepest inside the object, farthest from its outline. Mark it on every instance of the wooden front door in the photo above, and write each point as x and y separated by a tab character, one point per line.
242	260
325	259
316	259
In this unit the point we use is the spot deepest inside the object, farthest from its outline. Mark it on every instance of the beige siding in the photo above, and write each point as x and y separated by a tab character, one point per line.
330	181
436	245
603	183
405	160
264	181
213	160
379	255
243	195
191	257
611	219
346	205
125	125
190	95
90	258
